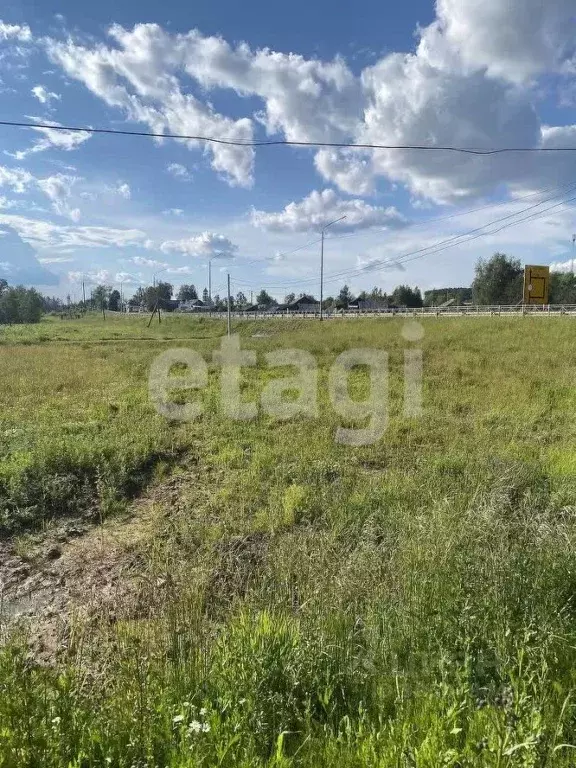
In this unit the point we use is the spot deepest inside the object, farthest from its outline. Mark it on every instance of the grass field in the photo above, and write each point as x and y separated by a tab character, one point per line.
301	603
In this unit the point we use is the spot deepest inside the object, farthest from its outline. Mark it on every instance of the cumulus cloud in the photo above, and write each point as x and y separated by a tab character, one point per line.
18	32
44	96
467	83
352	171
102	277
136	74
512	40
562	266
320	208
207	244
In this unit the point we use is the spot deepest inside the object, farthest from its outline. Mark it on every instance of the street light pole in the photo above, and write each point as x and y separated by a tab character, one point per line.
322	264
210	282
573	248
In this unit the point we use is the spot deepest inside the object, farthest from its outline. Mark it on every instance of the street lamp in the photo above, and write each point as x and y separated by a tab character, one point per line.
159	273
324	228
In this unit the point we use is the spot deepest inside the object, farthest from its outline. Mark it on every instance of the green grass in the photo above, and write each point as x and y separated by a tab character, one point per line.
409	603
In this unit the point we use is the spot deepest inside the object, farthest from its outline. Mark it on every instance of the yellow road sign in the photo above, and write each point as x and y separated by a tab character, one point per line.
536	284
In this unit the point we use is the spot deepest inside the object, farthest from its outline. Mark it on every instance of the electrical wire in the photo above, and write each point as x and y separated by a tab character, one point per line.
281	142
411	224
435	248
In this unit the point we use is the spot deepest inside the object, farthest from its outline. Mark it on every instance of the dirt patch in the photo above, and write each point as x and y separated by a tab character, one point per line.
78	571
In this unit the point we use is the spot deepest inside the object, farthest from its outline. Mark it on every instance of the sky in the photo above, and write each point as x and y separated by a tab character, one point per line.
123	210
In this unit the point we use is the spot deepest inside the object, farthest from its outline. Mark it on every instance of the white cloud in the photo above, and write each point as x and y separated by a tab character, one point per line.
142	261
173	212
18	32
124	191
16	178
55	260
512	40
101	276
52	139
370	264
320	208
181	271
563	266
44	96
136	75
58	189
351	170
207	244
179	171
466	84
127	278
46	235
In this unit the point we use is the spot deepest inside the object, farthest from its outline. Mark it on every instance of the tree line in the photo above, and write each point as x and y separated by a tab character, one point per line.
498	281
19	304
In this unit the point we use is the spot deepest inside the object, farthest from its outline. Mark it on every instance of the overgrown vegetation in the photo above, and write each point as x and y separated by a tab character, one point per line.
19	305
306	604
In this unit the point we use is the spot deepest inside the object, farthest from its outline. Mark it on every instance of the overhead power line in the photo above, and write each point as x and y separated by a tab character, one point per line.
440	246
414	224
282	142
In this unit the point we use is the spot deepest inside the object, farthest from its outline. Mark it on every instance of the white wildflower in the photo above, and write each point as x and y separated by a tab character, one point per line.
178	719
195	727
203	712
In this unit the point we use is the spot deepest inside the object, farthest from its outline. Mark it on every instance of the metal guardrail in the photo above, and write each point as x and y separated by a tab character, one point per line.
453	311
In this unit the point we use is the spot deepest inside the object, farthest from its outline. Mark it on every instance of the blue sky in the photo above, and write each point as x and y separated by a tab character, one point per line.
120	209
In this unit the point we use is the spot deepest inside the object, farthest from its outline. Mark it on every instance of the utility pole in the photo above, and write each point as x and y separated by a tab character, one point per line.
229	319
83	296
210	281
322	264
573	248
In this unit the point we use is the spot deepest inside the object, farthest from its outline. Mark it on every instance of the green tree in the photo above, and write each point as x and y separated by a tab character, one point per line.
498	281
114	301
20	305
344	298
289	298
139	298
241	300
187	293
158	295
562	288
404	296
264	299
101	296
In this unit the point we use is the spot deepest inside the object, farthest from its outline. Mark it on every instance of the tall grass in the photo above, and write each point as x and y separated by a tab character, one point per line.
303	603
